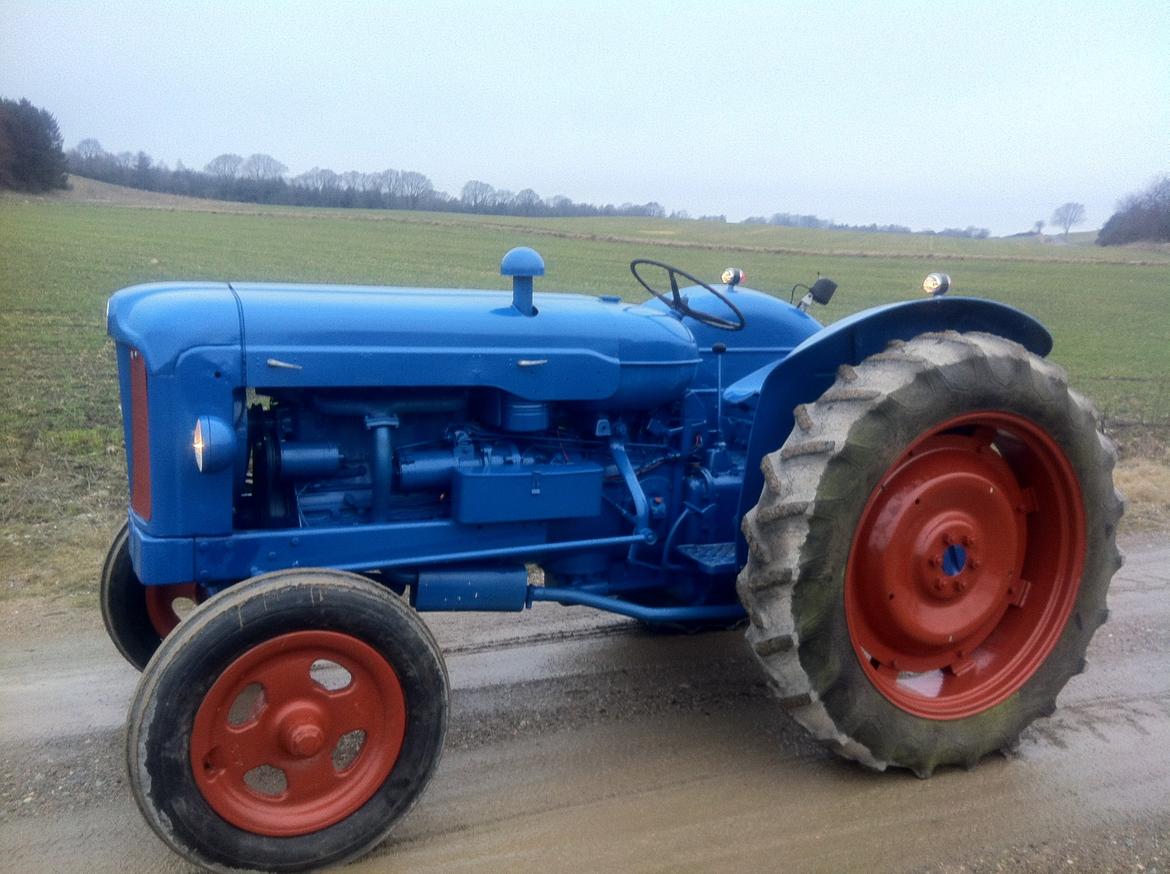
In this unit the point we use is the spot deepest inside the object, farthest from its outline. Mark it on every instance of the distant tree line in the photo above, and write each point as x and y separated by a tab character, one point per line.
260	178
791	220
31	158
1140	217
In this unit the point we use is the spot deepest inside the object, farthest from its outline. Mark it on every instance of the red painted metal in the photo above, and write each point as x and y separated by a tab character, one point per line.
965	565
160	605
294	727
139	437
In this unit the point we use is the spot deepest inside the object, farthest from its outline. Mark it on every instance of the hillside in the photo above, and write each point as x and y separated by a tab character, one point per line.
673	233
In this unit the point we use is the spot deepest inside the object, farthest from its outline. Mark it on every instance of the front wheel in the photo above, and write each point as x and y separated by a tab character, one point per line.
931	552
138	617
288	724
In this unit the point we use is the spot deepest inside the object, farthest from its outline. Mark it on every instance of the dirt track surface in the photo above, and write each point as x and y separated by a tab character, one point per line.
579	742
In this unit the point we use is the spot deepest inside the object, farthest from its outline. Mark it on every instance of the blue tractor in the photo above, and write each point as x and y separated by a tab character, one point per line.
910	509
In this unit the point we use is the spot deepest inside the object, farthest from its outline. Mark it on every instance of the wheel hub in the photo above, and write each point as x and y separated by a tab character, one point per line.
302	732
931	591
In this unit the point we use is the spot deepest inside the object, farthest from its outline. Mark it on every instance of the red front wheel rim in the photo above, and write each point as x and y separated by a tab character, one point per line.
965	565
161	602
298	733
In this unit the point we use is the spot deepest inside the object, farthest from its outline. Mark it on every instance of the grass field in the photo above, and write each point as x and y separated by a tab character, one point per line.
61	463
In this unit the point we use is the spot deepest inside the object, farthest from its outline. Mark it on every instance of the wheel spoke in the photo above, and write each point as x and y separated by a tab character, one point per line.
287	678
310	779
237	750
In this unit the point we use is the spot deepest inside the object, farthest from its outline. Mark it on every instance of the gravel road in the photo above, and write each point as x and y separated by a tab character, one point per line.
579	742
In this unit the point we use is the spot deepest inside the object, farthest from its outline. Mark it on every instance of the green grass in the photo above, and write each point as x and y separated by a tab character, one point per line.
60	452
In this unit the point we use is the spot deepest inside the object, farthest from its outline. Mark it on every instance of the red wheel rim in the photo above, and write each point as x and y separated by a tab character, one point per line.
160	605
274	712
965	565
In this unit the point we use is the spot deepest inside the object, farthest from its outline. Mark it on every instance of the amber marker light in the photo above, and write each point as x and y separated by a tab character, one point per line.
936	284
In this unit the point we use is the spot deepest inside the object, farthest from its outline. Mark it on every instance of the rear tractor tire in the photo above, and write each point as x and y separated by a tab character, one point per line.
931	551
288	724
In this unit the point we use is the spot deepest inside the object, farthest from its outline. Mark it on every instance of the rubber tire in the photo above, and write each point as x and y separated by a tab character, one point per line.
800	533
123	603
193	657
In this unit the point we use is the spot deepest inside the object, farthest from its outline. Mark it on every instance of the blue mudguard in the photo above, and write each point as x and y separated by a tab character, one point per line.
808	371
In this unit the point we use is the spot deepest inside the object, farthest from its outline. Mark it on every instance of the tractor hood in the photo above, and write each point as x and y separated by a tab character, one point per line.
575	347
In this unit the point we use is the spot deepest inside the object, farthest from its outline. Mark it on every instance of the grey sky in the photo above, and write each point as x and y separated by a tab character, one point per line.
927	114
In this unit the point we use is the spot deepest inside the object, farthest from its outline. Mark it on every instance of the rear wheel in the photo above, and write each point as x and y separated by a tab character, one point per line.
288	724
138	617
931	552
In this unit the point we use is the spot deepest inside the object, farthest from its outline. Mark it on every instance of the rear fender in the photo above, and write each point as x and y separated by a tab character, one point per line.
808	371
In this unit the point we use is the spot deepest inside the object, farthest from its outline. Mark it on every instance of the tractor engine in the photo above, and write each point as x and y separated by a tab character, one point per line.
478	457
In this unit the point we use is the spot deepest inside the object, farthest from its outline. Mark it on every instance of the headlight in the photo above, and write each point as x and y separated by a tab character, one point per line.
214	444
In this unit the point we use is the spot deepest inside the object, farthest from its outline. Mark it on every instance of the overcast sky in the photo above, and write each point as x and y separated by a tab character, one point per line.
926	114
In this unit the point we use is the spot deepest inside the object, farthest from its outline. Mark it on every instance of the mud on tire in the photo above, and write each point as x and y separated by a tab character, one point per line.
835	541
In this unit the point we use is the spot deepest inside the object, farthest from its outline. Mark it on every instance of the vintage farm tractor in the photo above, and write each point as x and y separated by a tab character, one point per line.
912	510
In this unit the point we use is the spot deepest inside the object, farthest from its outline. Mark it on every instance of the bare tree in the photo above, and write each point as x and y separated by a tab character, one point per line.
260	166
414	187
1038	228
89	148
388	182
225	166
329	180
353	180
309	179
477	195
1068	214
527	201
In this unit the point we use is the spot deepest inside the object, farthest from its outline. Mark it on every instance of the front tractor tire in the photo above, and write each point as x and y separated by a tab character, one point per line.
931	551
288	724
138	617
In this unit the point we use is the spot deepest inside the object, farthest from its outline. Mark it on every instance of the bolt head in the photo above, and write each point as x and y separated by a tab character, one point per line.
304	739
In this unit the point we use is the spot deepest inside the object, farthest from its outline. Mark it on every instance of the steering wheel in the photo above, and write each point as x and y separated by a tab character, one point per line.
678	303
